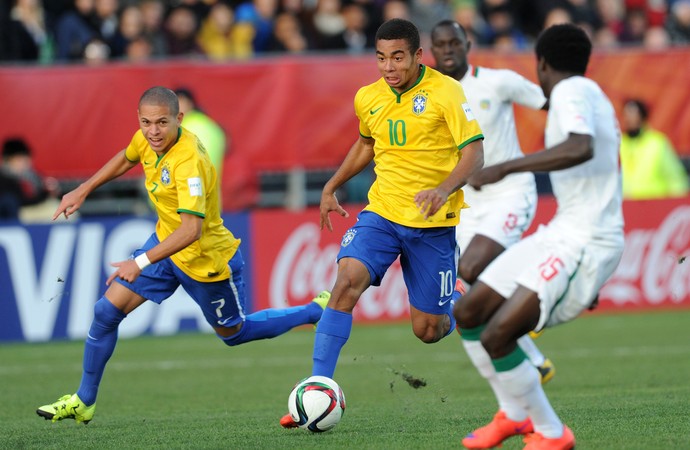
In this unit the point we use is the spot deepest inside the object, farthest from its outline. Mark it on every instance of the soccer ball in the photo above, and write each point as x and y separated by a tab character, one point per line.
316	403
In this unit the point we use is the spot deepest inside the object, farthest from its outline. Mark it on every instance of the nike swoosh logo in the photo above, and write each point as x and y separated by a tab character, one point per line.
223	322
146	163
374	111
521	428
443	302
91	337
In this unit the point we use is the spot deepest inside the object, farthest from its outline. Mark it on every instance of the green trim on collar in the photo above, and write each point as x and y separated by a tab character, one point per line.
398	95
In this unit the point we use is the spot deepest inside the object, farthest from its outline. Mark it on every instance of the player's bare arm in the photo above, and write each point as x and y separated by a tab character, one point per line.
575	150
430	201
361	153
72	201
188	232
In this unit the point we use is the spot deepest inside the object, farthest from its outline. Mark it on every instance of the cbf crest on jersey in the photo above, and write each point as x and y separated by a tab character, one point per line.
165	175
419	103
348	237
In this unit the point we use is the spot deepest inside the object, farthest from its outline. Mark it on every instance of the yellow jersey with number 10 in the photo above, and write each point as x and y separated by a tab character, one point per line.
183	180
419	138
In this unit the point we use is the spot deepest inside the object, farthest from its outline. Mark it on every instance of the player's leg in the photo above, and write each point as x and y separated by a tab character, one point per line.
223	304
477	255
515	373
100	343
334	328
472	312
428	267
156	282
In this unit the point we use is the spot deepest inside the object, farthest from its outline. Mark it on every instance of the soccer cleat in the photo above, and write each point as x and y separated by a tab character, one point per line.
497	431
537	441
287	422
322	300
535	334
460	286
68	407
546	371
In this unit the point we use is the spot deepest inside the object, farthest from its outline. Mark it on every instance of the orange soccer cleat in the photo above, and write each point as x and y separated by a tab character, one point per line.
537	441
497	431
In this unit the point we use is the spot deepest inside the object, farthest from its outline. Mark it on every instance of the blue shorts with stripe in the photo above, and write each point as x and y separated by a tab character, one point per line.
222	302
427	258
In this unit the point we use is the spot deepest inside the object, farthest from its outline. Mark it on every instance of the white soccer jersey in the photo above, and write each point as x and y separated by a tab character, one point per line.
589	194
491	94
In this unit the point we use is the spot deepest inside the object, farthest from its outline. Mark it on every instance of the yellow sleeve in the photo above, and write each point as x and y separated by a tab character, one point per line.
463	125
136	147
363	127
189	182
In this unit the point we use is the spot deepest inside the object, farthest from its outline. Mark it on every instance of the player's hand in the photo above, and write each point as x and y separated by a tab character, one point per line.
329	203
487	175
70	203
430	201
127	270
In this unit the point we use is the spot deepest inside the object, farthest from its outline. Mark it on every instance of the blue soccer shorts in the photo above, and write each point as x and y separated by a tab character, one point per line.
222	302
427	258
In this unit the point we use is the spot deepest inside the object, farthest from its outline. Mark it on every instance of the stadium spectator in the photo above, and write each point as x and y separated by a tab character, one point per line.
190	248
180	30
500	213
651	168
130	26
678	22
25	33
415	200
553	275
34	188
96	52
287	35
260	15
154	17
222	38
74	30
139	49
106	13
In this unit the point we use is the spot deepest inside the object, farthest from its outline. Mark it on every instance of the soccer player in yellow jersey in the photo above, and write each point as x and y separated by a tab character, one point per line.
416	125
190	248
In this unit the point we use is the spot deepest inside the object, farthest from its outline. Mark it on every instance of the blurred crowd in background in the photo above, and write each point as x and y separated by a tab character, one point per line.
93	31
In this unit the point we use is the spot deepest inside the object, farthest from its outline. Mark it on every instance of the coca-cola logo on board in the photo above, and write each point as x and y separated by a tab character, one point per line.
653	269
304	267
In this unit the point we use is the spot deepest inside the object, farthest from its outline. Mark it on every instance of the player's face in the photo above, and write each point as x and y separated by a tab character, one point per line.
159	126
398	66
449	48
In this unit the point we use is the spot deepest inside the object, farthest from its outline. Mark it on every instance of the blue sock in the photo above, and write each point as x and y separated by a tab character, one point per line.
269	323
98	348
453	298
332	333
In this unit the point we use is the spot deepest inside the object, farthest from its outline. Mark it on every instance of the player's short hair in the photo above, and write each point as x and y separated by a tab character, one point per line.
565	47
399	29
449	23
640	106
159	95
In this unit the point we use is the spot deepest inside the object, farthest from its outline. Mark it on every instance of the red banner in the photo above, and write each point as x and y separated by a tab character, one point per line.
294	260
281	113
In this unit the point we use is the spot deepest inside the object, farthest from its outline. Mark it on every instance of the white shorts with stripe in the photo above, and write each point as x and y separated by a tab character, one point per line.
565	274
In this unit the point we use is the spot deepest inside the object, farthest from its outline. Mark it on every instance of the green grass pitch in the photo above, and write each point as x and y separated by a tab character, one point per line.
622	382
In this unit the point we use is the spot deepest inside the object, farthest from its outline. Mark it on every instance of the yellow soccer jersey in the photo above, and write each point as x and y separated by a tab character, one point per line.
183	180
419	136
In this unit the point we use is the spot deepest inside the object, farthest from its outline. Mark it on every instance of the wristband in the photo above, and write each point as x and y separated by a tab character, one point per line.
142	261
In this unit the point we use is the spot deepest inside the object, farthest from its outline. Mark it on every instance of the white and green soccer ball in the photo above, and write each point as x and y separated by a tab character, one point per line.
316	403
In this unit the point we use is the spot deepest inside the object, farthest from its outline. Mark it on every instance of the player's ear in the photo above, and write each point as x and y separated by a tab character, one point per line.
180	116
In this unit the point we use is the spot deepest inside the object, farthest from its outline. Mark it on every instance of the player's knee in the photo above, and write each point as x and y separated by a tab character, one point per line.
465	314
468	271
231	336
429	333
494	340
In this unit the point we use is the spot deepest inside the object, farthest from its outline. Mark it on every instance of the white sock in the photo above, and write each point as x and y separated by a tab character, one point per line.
523	383
481	360
531	350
